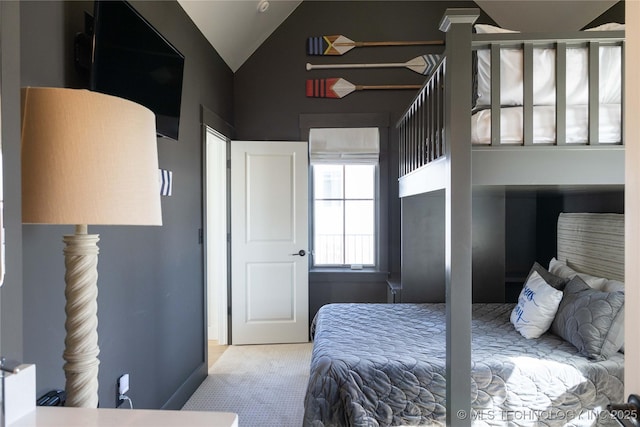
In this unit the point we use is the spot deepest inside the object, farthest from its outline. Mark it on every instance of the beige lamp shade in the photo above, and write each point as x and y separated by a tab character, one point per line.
88	158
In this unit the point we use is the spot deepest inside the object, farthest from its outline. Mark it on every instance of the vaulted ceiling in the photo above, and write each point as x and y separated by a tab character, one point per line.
236	28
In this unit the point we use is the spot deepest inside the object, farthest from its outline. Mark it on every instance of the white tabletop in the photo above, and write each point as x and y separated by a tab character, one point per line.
52	416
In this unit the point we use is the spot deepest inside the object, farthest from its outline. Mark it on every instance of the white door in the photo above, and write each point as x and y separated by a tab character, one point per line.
269	241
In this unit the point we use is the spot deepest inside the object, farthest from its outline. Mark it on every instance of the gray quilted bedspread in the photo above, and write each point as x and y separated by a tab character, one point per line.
384	365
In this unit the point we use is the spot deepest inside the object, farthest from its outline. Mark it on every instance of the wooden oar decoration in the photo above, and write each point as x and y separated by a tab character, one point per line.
421	64
339	87
339	45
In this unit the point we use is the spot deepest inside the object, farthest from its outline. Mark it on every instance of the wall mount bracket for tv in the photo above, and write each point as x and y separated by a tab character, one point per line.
82	47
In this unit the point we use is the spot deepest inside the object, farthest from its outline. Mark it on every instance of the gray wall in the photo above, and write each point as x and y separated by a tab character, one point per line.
11	345
512	228
488	242
270	95
151	293
423	240
531	225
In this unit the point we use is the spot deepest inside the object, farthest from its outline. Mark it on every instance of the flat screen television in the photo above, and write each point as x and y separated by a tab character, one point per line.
132	60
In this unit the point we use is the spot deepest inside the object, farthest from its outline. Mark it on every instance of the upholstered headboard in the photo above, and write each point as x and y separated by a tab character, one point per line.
592	243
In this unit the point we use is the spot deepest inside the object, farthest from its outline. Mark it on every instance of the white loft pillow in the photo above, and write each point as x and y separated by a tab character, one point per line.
536	308
488	29
560	268
609	26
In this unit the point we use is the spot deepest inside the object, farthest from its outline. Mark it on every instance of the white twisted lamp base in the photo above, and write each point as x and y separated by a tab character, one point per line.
81	342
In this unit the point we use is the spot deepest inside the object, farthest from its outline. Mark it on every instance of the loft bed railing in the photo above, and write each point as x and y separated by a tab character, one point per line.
560	43
421	127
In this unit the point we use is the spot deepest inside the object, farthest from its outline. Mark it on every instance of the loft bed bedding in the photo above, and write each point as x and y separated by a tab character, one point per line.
384	365
544	72
532	363
544	93
551	90
544	125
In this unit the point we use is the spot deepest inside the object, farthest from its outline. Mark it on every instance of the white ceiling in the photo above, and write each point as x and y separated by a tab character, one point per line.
236	28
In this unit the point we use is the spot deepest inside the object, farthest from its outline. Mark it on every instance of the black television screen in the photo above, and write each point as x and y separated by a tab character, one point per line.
132	60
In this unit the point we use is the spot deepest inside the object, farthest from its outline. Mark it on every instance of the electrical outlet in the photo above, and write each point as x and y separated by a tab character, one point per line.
122	386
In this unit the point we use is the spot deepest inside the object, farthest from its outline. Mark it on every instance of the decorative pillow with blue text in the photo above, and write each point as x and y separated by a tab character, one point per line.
537	306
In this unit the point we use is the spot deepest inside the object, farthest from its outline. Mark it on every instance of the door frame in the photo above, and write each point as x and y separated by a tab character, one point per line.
217	281
210	120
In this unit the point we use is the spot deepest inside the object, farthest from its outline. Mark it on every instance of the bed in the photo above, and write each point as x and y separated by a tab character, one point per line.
437	156
361	379
385	364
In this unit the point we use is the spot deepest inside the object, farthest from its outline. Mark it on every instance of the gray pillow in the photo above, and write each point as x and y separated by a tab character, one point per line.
556	281
591	320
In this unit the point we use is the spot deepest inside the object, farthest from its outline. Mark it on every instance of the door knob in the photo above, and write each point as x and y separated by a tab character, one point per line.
301	252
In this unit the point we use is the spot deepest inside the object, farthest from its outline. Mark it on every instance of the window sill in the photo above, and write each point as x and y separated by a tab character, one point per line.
346	274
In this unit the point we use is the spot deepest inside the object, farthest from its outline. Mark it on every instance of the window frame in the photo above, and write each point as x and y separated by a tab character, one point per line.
356	120
376	214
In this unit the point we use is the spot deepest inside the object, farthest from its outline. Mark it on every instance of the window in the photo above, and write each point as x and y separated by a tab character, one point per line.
344	165
344	214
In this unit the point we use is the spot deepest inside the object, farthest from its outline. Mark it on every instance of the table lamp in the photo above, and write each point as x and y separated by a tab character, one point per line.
87	158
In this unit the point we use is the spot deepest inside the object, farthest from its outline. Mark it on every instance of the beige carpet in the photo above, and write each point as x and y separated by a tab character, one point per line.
263	384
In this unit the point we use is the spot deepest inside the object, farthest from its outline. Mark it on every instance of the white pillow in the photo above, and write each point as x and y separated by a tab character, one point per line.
489	29
560	268
613	286
609	26
537	306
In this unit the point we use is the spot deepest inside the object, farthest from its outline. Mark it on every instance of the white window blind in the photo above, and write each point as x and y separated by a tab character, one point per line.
344	145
